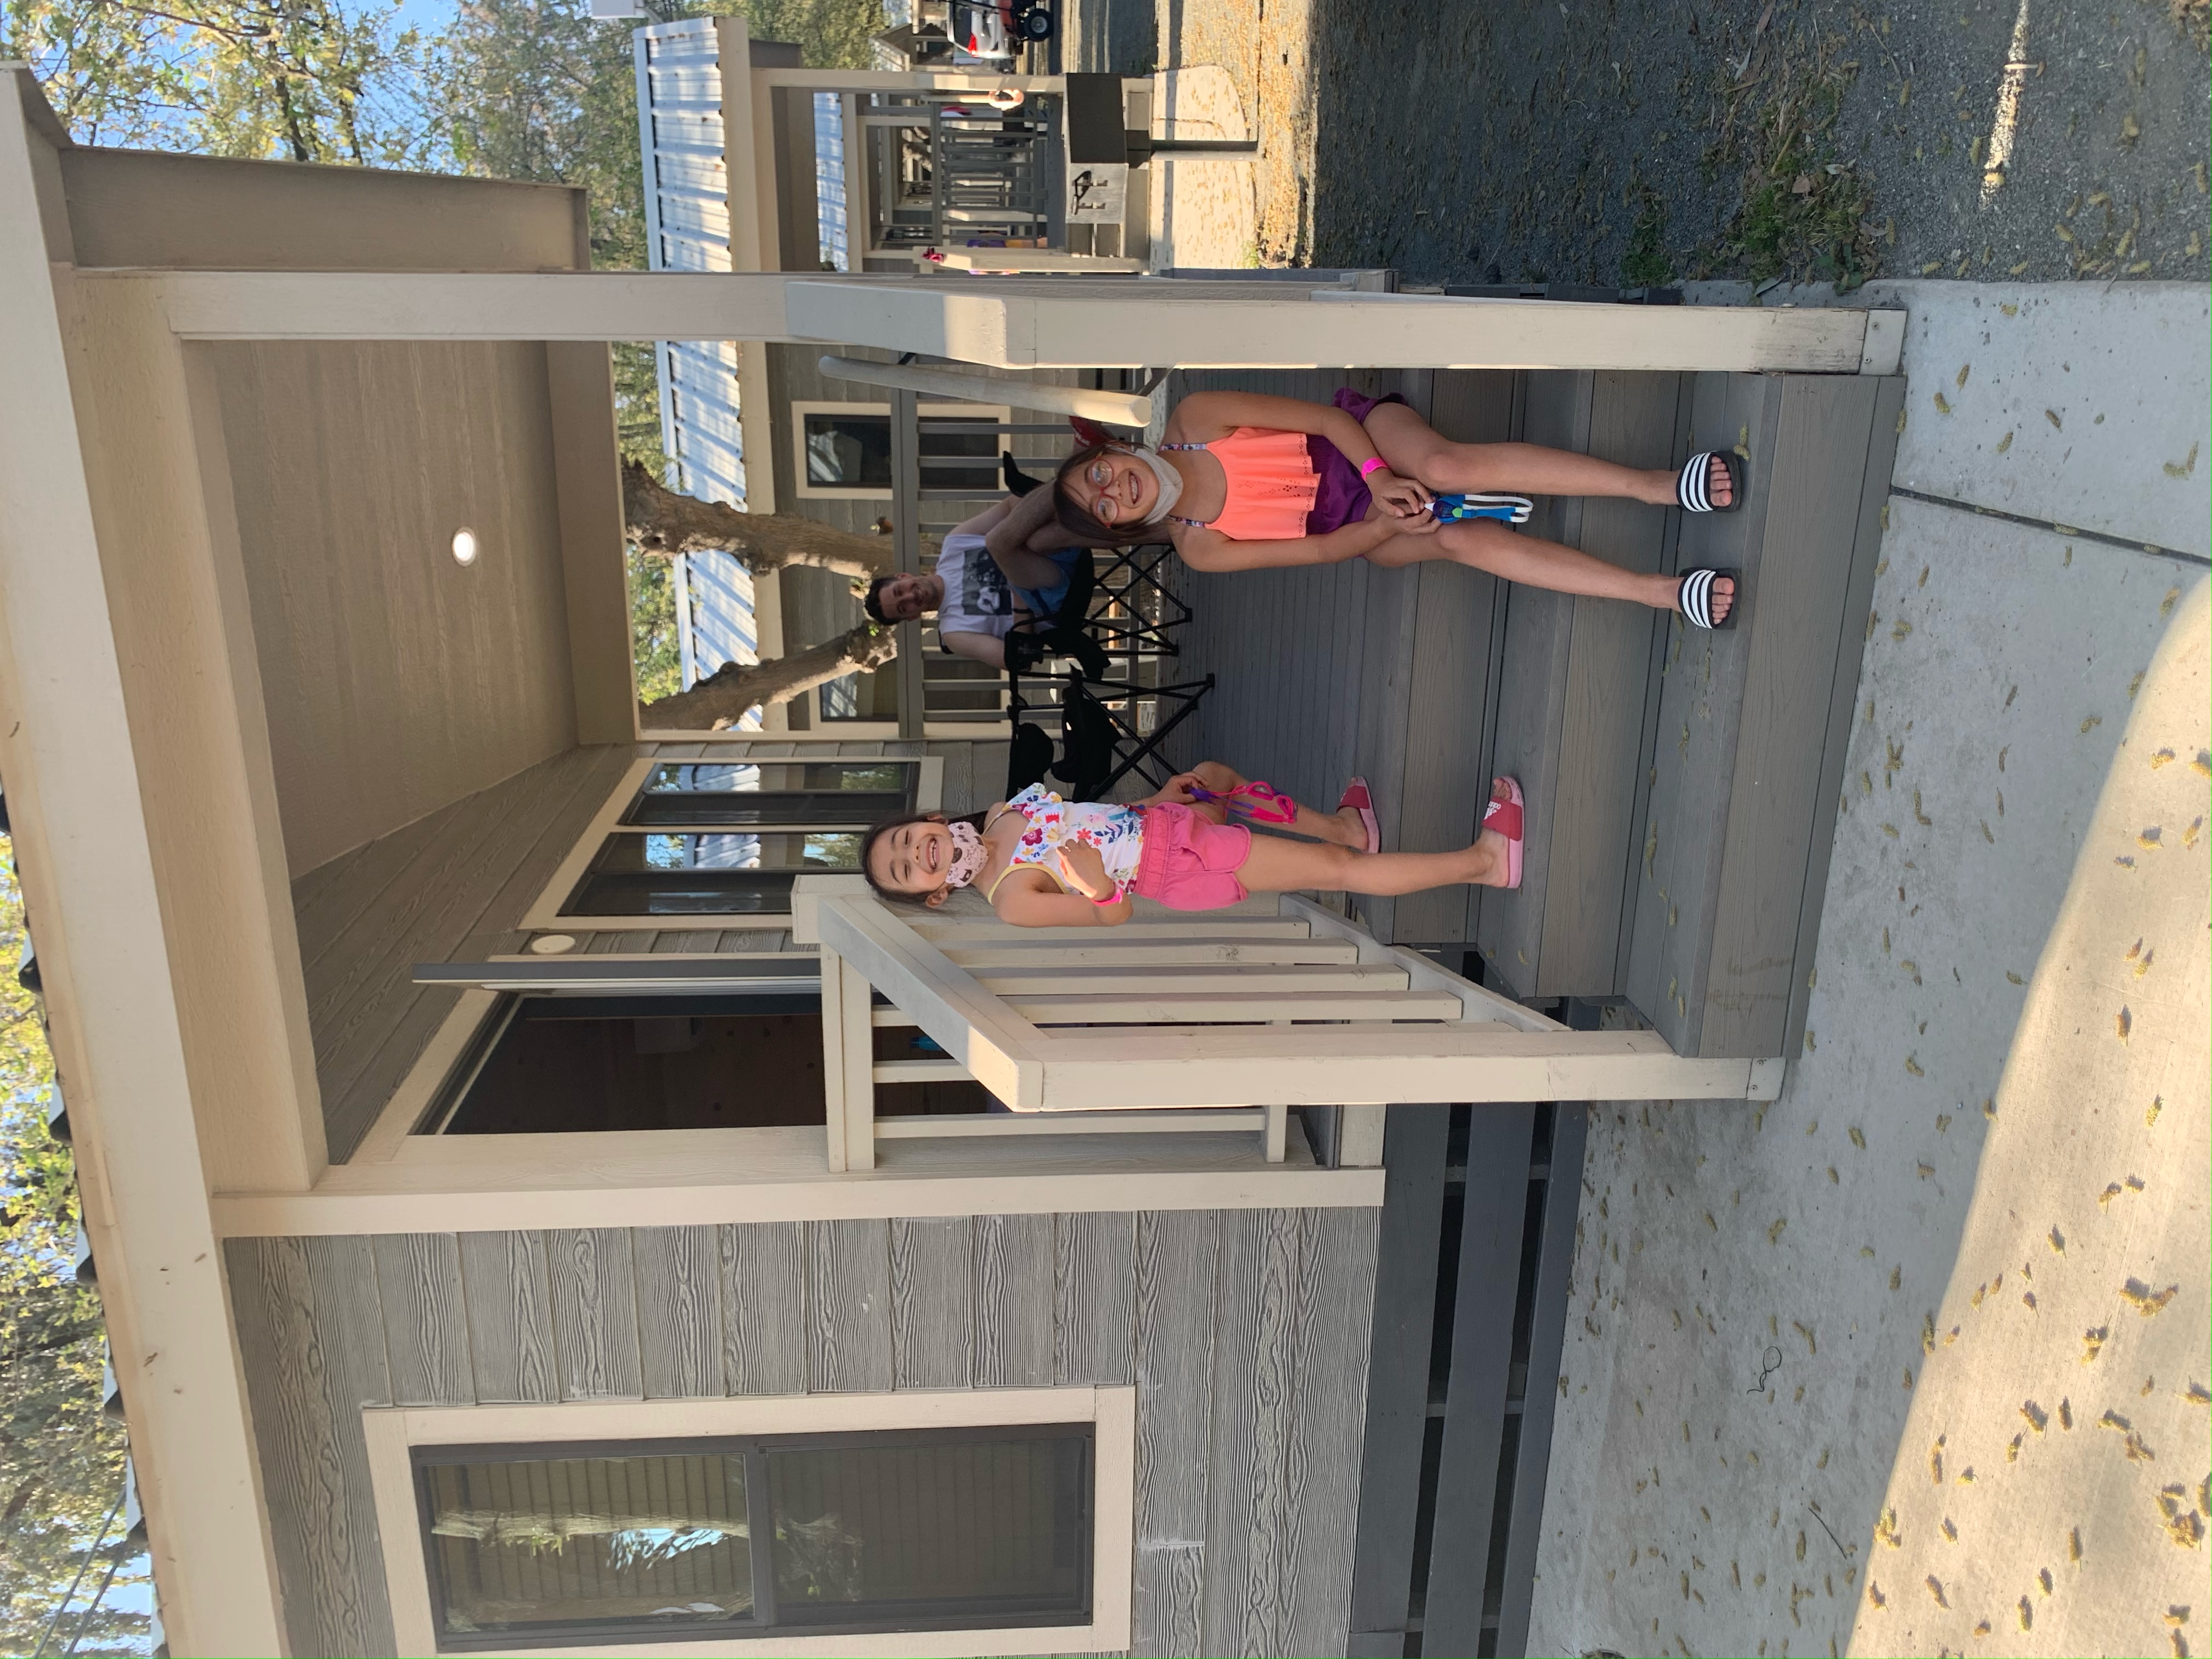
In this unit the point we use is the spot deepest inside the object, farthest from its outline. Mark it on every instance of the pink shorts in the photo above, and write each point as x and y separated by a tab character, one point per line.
1190	862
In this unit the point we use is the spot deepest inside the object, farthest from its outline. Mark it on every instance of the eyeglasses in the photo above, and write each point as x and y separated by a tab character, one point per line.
1100	478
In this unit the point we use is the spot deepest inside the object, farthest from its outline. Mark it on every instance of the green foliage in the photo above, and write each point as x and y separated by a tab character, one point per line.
61	1457
653	641
1647	264
1806	215
304	80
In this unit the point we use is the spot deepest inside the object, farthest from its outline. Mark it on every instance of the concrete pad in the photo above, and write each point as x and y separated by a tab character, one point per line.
2048	1495
2083	403
1754	1291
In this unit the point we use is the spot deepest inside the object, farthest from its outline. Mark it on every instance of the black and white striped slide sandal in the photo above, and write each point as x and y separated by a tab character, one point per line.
1694	598
1693	484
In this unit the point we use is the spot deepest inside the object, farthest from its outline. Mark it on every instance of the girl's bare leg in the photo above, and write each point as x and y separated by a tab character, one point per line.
1415	449
1485	544
1343	828
1288	866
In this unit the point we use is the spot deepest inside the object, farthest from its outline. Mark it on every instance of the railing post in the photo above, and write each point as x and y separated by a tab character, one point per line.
848	1079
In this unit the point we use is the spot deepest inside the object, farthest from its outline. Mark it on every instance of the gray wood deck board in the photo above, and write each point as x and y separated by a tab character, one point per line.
1700	703
1096	1274
1014	1301
933	1301
1177	1253
1805	572
1533	694
595	1313
1633	421
416	1281
849	1299
680	1311
1881	457
764	1323
510	1303
1327	1411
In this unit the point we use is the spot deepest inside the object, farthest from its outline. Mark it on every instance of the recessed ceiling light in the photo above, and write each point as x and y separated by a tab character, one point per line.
465	546
552	944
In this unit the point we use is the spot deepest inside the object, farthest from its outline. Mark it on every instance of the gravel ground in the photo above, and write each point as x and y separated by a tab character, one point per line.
1808	139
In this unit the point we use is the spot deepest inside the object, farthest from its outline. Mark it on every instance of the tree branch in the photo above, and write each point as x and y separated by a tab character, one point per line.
661	521
721	699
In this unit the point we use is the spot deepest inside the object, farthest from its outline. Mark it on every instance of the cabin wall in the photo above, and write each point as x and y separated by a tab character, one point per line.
1245	1334
452	884
396	680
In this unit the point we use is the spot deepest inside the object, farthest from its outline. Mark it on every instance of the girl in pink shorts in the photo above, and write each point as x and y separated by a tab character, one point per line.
1043	862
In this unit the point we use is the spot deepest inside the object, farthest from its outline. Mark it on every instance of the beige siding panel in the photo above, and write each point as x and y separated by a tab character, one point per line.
397	681
208	213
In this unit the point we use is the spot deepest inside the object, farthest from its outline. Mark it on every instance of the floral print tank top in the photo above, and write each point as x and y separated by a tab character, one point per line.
1118	833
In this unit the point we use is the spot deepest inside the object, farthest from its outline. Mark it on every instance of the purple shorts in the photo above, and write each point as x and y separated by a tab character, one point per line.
1190	862
1342	497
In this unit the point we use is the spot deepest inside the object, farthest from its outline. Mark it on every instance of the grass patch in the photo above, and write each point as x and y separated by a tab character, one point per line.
1806	213
1647	264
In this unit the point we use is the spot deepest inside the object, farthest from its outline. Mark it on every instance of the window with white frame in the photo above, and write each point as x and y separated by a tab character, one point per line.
715	837
915	1523
726	1539
845	448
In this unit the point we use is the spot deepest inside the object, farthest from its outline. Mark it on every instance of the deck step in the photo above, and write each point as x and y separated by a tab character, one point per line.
1732	856
1574	694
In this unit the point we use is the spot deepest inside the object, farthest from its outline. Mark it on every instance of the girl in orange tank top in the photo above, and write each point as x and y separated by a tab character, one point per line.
1244	481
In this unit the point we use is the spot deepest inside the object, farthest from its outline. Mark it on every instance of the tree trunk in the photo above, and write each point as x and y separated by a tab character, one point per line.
723	696
662	522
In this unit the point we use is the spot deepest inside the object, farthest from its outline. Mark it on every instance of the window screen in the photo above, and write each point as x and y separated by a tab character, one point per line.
945	1529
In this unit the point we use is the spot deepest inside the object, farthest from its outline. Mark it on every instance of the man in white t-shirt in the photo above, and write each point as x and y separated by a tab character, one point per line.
980	615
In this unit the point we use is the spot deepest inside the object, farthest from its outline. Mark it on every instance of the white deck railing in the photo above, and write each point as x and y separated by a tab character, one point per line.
1192	1023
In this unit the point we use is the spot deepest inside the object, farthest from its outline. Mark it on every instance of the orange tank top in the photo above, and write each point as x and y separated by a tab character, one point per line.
1270	484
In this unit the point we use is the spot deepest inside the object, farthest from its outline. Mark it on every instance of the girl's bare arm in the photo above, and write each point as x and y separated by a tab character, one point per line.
1209	549
1028	897
1027	532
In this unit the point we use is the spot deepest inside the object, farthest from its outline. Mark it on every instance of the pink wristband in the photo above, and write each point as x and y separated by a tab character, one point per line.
1114	897
1375	463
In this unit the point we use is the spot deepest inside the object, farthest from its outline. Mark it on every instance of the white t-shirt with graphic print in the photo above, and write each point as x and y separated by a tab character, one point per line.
977	598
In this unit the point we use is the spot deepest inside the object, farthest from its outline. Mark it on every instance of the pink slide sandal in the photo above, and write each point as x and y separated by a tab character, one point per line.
1506	817
1357	798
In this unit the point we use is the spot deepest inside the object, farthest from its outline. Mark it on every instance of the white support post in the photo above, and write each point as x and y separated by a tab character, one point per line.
848	1071
1102	323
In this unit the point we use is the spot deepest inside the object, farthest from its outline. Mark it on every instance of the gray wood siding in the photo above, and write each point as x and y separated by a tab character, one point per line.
448	886
1245	1333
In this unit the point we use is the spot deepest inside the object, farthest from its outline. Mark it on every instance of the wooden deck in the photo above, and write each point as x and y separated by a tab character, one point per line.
1681	786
